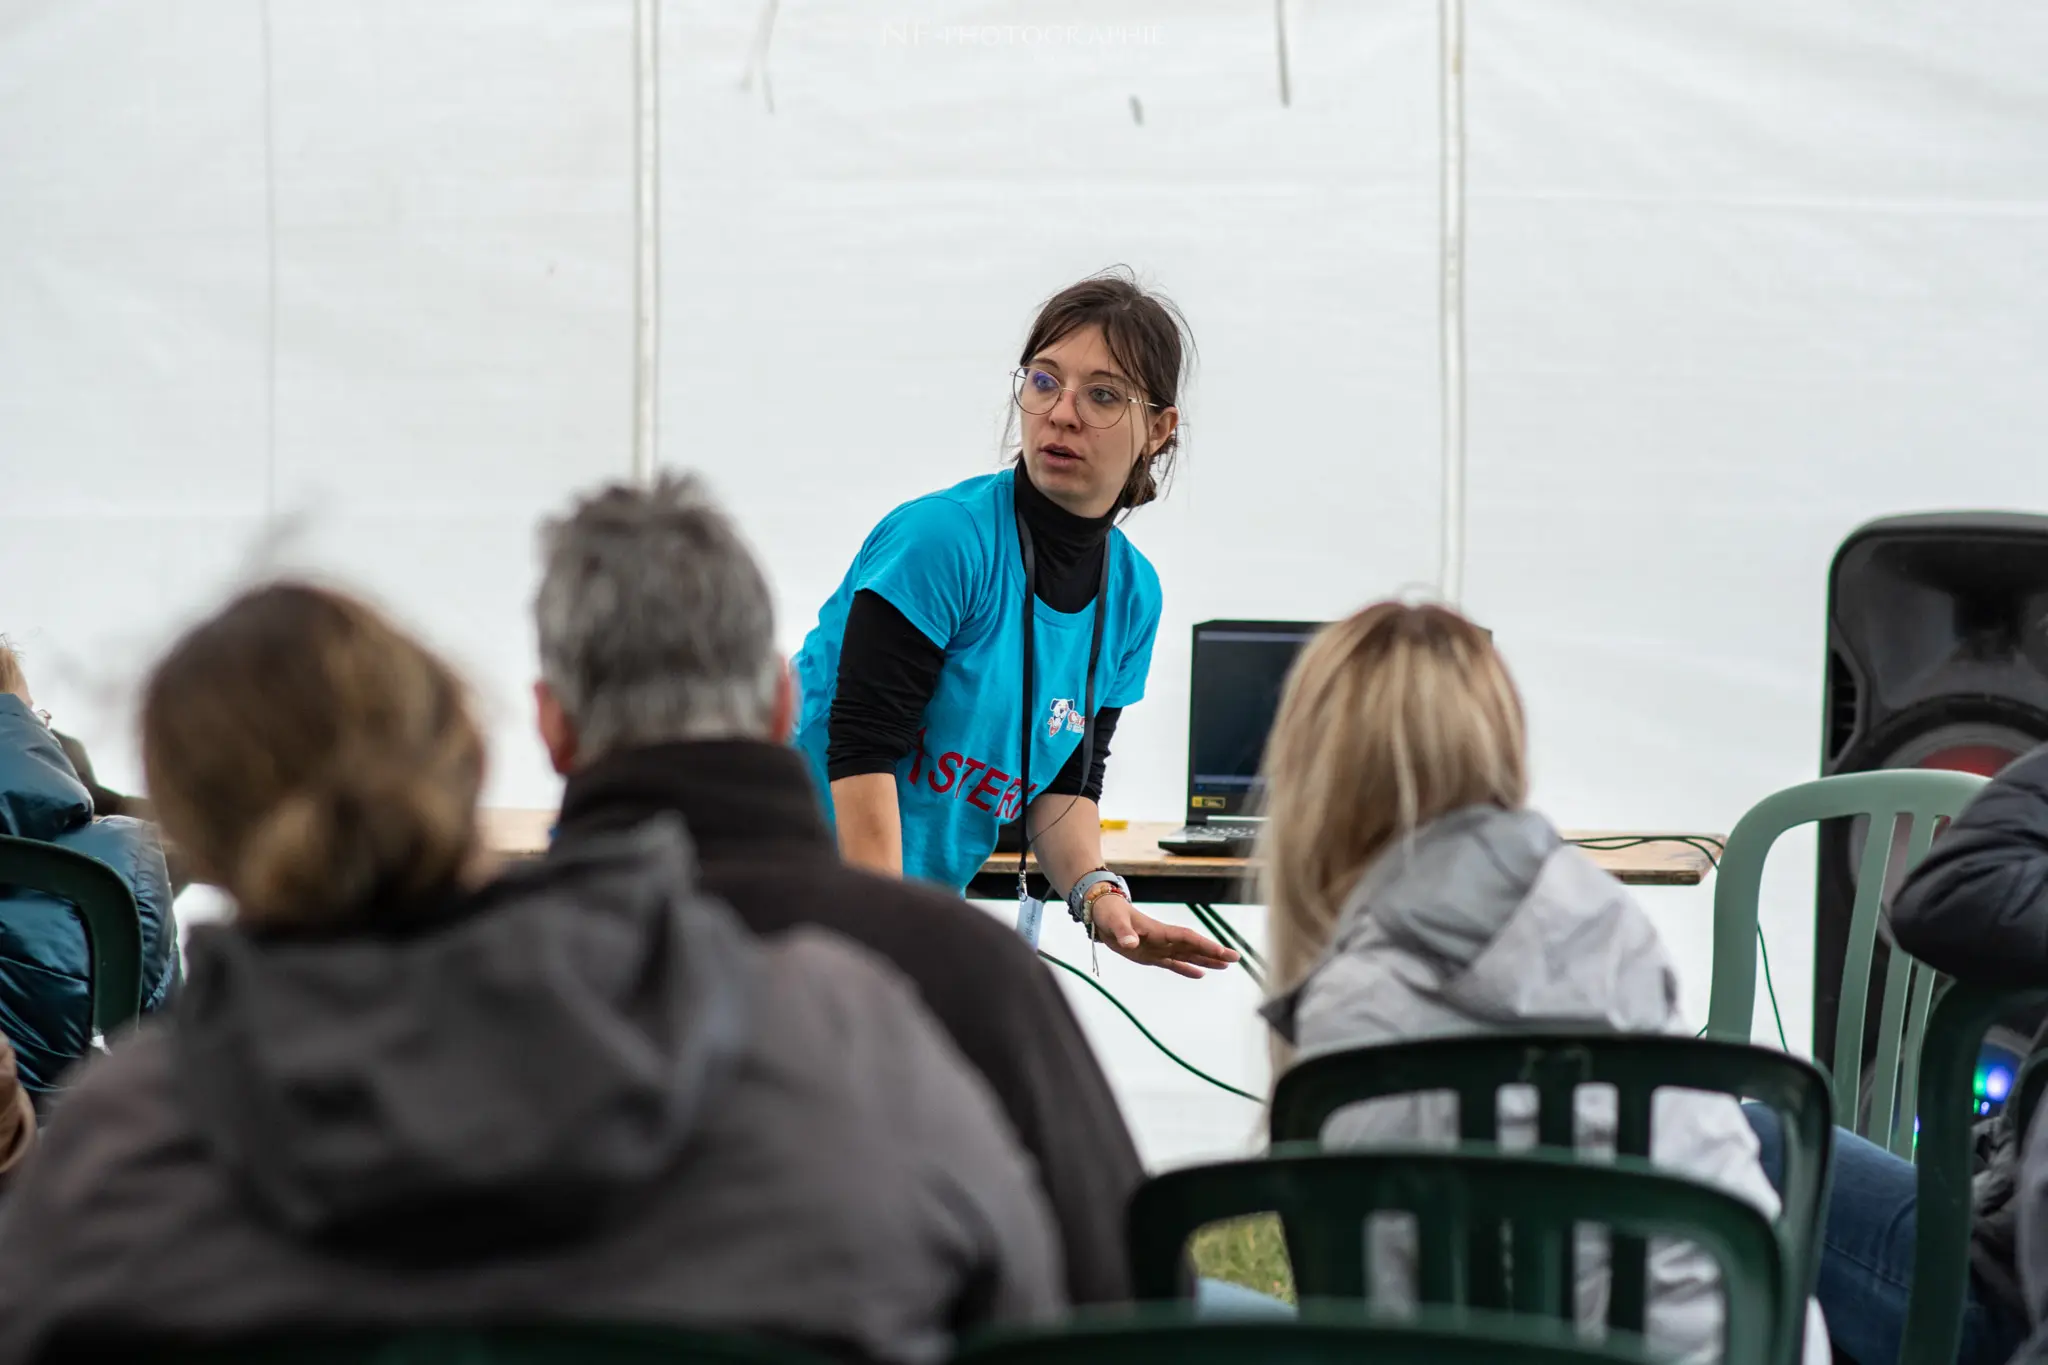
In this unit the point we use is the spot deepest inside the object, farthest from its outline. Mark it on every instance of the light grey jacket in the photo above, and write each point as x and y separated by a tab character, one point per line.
1484	922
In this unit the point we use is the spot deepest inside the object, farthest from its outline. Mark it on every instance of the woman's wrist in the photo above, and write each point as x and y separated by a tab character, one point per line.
1091	887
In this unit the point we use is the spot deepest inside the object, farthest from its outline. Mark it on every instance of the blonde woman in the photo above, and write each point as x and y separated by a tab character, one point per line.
1414	896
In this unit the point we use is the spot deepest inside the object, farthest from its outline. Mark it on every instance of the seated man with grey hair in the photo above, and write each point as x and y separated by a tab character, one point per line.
662	691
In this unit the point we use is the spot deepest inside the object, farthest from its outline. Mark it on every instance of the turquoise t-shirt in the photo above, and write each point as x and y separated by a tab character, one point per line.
951	564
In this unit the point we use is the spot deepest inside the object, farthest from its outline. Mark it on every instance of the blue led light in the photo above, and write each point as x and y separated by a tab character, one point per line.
1997	1083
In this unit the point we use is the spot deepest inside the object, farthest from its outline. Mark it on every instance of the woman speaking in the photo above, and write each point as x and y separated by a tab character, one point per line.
972	665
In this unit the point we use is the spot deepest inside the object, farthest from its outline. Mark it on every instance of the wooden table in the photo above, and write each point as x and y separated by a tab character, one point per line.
1161	878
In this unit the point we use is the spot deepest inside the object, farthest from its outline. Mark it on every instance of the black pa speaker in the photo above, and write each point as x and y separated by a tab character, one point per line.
1937	658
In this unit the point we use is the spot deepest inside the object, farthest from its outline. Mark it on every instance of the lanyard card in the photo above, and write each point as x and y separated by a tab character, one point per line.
1030	910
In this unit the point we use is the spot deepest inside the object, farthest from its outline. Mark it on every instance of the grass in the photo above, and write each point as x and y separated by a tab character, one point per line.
1246	1251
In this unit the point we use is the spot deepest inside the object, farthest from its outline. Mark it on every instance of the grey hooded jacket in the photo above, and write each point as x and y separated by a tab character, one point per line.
584	1092
1486	921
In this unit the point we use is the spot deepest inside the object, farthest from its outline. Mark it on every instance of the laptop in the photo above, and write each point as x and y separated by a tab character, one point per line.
1238	670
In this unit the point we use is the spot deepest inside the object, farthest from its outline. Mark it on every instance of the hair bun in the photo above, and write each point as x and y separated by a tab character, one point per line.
373	830
311	758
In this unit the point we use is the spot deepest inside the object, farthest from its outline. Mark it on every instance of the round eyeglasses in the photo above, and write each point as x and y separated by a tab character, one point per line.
1100	403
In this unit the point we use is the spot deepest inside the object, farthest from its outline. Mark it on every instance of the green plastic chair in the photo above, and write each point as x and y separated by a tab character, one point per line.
113	926
535	1344
1324	1199
1324	1334
1555	1065
1924	796
1941	1233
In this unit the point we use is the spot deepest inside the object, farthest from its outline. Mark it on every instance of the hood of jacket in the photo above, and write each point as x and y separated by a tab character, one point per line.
1488	917
517	1064
40	795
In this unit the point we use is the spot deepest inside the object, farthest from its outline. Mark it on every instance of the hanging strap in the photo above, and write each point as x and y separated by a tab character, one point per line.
1030	709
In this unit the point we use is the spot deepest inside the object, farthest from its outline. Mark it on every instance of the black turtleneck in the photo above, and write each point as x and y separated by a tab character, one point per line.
888	669
1069	548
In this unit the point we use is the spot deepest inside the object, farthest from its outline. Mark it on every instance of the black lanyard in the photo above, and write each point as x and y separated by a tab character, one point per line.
1030	700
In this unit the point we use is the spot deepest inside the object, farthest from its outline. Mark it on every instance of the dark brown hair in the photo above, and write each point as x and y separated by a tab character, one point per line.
313	759
1147	337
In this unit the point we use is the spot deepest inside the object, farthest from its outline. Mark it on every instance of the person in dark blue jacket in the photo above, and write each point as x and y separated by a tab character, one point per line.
45	991
1977	909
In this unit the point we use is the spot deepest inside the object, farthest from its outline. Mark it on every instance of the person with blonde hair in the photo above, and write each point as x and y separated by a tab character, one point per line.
396	1093
1412	894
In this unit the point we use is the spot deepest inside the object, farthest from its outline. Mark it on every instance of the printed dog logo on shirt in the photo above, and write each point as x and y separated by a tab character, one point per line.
1065	715
978	782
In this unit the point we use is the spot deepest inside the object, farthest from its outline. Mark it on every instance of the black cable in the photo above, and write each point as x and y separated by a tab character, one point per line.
1221	936
1203	914
1152	1038
1229	933
1229	936
1765	954
1712	848
1705	844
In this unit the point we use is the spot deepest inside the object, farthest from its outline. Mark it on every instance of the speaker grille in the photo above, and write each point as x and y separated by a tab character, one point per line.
1844	706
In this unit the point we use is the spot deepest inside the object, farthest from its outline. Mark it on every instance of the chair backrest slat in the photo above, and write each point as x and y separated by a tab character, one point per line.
1486	1264
1556	1075
1852	1007
1540	1280
1336	1245
1440	1250
1884	1068
1629	1255
1478	1112
1905	1126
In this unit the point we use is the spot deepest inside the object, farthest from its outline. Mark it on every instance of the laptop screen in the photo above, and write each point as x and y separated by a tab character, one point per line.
1239	669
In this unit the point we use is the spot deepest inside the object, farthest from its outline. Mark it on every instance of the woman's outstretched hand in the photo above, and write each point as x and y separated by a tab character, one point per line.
1125	930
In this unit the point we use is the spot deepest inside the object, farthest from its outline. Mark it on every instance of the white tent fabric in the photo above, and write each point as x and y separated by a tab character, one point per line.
347	286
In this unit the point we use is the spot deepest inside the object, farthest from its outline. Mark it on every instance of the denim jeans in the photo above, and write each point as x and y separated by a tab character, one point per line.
1222	1299
1866	1263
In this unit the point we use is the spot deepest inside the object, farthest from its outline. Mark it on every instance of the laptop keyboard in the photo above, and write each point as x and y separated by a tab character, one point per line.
1209	841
